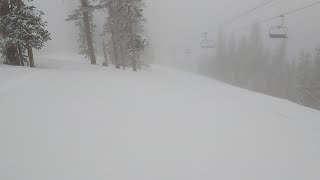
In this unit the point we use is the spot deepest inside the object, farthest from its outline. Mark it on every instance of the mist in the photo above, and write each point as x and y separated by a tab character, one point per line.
185	21
159	90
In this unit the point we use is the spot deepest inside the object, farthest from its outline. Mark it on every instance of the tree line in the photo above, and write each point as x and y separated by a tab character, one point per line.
123	31
22	29
248	64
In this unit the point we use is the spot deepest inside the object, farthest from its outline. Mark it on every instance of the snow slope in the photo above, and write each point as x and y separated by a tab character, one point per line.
68	120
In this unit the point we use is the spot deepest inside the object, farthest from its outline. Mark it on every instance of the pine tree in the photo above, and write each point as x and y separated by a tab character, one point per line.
304	95
9	51
243	53
232	62
77	17
23	29
315	80
83	17
278	73
133	19
125	25
112	26
256	60
220	57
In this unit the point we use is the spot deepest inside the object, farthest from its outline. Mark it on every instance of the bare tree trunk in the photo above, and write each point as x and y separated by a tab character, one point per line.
134	57
30	55
115	51
4	9
122	58
12	55
113	35
105	54
21	58
21	55
88	31
132	41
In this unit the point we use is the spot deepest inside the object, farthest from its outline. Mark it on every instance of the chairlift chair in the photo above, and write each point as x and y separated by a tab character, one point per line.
279	32
206	43
188	51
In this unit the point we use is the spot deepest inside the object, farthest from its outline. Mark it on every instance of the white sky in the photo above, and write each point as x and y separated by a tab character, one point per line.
180	23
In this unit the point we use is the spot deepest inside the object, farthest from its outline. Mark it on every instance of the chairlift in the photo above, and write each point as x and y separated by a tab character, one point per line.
188	51
206	43
279	32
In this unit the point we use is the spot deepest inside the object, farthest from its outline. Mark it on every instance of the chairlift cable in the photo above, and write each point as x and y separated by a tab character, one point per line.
251	10
290	12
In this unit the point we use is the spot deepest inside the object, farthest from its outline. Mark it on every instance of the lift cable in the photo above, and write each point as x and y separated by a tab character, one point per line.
251	10
289	12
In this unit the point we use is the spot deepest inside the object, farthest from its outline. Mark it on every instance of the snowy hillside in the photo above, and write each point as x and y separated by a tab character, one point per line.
67	120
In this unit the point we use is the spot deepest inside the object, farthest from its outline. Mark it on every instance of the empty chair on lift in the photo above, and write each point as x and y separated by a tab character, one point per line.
207	44
280	31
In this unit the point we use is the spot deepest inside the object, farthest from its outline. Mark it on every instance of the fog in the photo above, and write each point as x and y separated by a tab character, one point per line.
179	24
186	20
189	94
175	29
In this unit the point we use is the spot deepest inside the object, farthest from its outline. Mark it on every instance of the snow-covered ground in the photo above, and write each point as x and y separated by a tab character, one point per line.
68	120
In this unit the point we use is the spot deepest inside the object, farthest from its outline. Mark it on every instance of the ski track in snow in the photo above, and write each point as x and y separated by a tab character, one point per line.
69	120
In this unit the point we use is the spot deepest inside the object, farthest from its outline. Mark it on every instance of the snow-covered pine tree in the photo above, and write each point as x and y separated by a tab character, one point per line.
278	74
256	60
77	17
315	78
231	63
304	96
221	55
125	25
83	17
8	52
23	29
133	28
242	59
111	27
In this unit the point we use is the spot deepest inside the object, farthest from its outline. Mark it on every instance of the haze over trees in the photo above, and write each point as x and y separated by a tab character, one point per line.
247	63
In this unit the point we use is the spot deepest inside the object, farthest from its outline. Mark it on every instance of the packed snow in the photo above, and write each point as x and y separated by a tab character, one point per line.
68	120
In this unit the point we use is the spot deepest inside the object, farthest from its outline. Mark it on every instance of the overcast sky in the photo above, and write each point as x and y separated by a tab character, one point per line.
180	23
